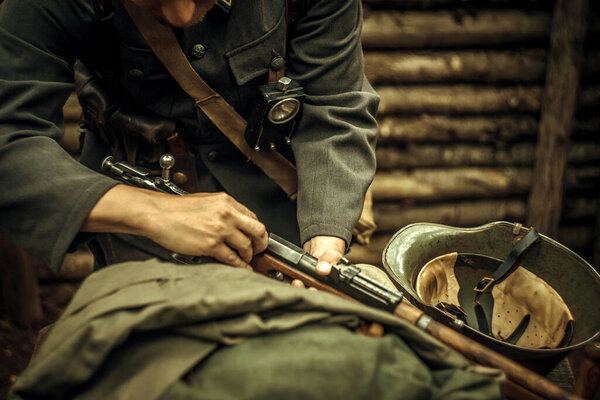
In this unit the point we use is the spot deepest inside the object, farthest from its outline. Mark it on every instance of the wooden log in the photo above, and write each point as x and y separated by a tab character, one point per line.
464	183
568	32
451	183
439	128
596	241
577	237
588	378
516	154
390	217
422	155
418	30
470	99
459	99
452	66
579	208
589	98
586	128
591	65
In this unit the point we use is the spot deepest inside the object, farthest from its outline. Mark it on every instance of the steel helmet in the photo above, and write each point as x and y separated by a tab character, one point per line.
436	264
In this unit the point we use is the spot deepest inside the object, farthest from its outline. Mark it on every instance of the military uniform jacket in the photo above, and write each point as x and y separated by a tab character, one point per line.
46	195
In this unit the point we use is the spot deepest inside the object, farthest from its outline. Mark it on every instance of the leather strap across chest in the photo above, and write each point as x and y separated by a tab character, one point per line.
163	42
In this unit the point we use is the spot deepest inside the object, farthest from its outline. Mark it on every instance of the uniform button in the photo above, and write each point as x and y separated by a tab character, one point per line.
180	178
198	51
136	73
212	155
277	63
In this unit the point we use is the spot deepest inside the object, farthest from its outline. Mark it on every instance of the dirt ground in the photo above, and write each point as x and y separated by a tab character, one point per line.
17	343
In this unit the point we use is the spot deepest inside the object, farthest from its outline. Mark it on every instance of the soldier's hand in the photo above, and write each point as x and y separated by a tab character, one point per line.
328	250
199	224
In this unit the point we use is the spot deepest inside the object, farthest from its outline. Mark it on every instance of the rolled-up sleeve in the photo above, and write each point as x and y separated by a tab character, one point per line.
45	194
335	139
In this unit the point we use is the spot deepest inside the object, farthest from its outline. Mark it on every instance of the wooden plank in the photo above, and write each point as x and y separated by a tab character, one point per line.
471	99
436	184
453	155
458	99
437	29
487	66
568	32
441	128
389	217
397	67
476	129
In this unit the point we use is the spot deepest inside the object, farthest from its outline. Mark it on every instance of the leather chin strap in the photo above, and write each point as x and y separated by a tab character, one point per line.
499	274
163	42
526	309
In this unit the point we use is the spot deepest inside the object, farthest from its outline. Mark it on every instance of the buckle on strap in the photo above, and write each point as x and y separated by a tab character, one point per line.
484	284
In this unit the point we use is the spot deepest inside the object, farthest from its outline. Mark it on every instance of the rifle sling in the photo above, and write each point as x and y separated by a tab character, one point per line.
163	42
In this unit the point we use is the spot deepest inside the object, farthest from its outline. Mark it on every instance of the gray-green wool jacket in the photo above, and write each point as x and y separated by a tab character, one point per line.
133	329
46	195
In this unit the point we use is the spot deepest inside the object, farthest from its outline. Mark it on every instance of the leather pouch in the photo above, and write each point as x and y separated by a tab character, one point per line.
132	131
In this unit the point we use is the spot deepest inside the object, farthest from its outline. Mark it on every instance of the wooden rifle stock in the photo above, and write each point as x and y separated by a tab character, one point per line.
521	382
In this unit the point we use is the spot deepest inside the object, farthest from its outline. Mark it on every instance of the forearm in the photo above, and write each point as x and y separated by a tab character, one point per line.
198	224
124	209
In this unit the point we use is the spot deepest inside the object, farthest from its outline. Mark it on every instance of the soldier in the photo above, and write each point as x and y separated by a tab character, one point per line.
232	49
51	203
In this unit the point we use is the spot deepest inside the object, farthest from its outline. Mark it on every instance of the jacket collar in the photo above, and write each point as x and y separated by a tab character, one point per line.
225	5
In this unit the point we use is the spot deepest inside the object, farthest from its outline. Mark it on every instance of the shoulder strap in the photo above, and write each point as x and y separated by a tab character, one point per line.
294	10
161	39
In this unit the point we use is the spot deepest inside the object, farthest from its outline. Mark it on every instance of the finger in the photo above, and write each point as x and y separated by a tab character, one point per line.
318	245
297	283
228	256
327	259
257	233
242	244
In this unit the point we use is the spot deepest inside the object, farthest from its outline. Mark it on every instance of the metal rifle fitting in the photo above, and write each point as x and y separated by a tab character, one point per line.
345	277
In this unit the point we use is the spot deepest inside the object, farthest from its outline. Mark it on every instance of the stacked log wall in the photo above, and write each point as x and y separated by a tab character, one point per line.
461	85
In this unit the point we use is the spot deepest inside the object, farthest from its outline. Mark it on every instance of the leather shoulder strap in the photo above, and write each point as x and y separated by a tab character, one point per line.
294	10
161	39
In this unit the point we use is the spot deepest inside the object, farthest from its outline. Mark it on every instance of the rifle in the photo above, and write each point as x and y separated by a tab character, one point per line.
283	259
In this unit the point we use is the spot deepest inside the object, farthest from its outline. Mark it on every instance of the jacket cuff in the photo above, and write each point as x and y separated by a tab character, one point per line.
325	230
76	218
